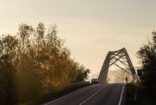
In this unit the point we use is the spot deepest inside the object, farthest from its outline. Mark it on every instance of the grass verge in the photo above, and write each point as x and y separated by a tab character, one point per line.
141	99
54	95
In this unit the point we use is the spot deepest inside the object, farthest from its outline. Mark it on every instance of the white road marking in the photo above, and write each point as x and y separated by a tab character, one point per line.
92	95
59	98
121	96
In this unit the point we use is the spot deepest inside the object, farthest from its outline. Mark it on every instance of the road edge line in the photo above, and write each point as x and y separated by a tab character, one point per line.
69	94
92	95
121	96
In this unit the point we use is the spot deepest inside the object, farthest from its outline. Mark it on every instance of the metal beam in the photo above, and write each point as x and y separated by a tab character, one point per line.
111	59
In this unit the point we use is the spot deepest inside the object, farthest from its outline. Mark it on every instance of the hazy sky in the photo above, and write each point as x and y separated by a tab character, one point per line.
90	27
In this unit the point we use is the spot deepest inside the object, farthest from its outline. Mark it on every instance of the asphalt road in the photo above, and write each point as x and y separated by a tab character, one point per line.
98	94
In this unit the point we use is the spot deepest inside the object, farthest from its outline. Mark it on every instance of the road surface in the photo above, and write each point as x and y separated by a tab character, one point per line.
98	94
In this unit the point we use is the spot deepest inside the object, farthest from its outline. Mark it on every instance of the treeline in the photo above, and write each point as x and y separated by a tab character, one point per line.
147	54
35	62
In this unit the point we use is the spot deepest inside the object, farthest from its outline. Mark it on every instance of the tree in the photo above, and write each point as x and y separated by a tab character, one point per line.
147	54
7	70
34	63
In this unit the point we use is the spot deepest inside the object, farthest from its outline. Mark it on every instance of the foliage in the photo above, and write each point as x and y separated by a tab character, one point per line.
147	54
33	63
142	99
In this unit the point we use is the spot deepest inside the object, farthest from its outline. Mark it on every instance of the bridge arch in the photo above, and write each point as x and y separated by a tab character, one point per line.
112	58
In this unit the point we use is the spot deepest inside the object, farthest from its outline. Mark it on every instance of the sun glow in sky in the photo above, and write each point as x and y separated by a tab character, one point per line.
90	27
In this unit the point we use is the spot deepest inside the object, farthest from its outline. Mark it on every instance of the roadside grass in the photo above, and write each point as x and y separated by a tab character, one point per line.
54	95
142	98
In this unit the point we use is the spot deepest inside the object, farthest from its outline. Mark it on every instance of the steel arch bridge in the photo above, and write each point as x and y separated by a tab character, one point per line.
112	58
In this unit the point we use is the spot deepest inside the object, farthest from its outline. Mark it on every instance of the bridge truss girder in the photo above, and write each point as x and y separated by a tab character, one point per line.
112	58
